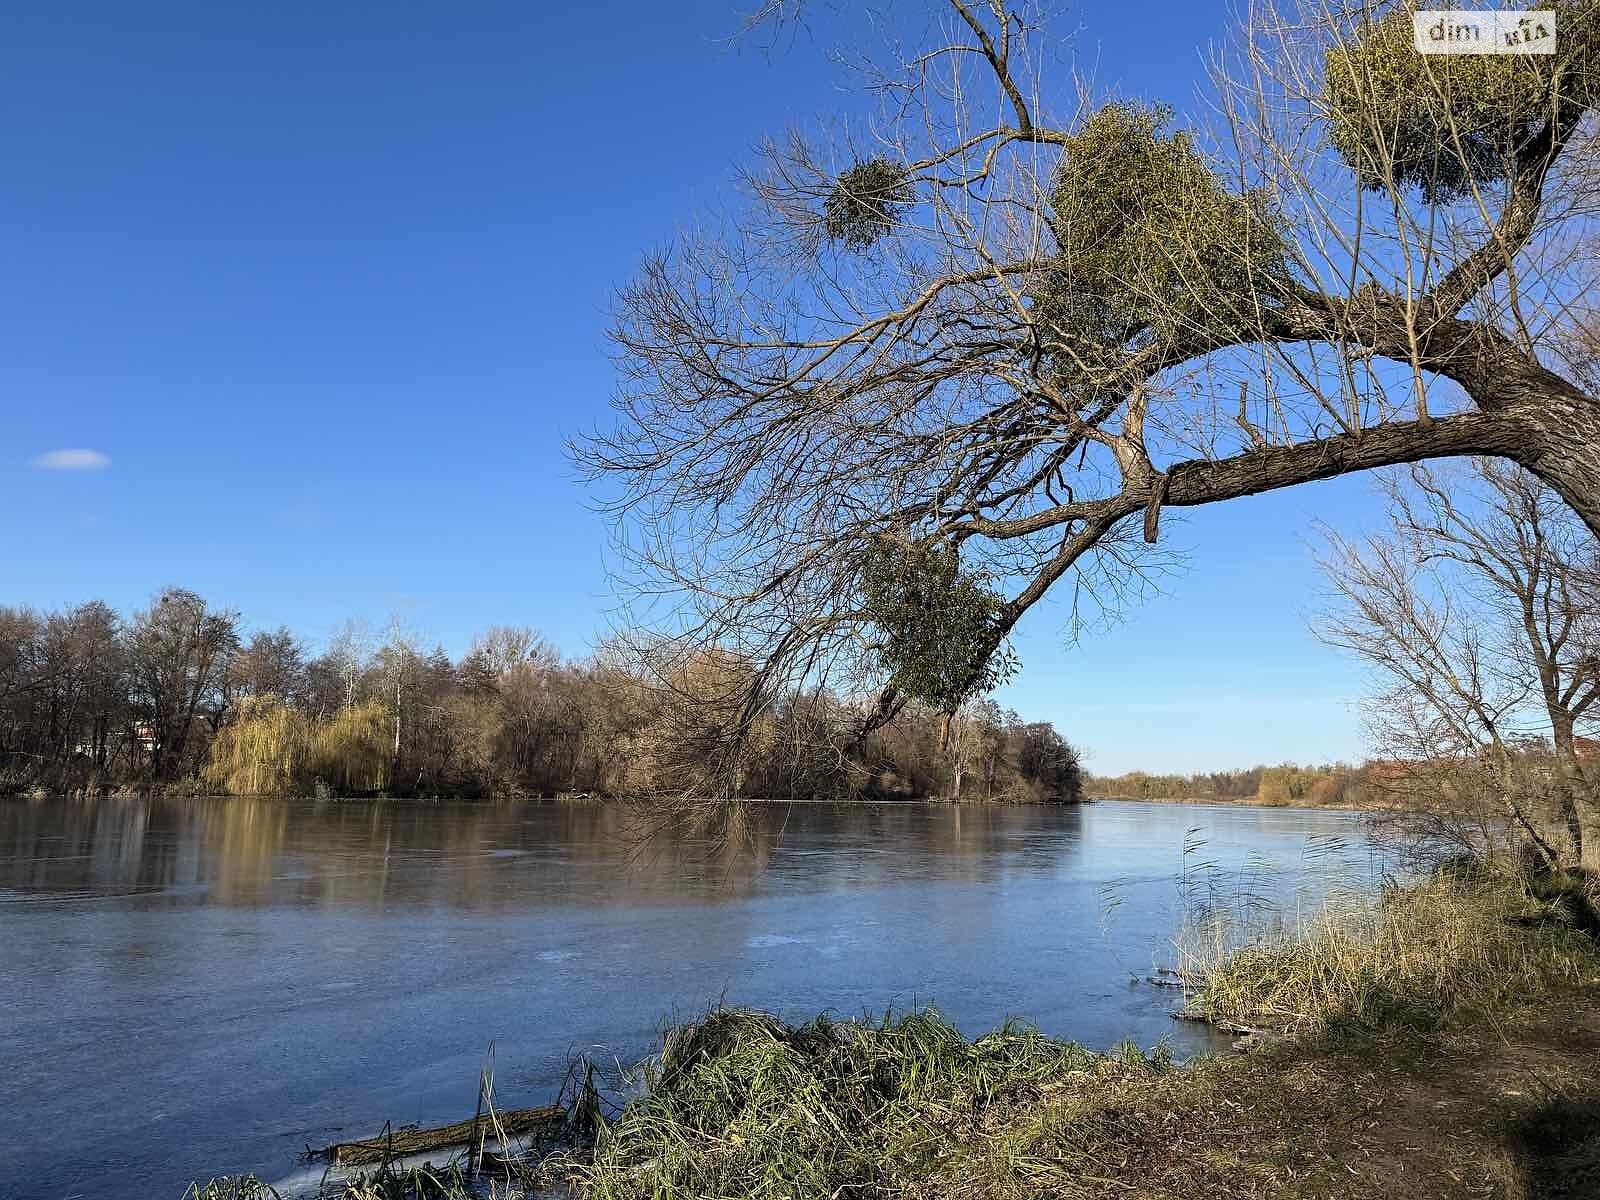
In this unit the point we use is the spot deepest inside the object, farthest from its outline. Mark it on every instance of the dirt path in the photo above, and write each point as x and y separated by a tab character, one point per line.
1512	1114
1515	1114
1509	1114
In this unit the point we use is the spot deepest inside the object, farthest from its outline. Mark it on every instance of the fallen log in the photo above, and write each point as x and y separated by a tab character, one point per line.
398	1143
1217	1023
1167	983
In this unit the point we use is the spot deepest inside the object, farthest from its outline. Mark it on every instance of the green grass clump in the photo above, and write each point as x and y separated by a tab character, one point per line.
741	1104
231	1187
1461	945
426	1182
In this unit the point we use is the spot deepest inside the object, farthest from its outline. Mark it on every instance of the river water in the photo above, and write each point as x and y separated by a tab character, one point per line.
196	987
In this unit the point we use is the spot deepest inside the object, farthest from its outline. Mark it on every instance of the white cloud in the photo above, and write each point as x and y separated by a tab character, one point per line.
72	460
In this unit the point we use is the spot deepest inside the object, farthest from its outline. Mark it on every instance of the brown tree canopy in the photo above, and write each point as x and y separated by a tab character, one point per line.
1015	321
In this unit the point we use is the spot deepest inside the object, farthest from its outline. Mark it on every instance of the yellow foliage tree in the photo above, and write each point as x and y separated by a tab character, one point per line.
270	749
353	752
261	752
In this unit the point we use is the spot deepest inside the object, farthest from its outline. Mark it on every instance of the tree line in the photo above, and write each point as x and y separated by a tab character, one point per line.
1328	784
179	696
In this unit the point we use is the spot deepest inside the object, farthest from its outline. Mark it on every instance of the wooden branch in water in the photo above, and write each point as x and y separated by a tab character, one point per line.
397	1143
1200	1018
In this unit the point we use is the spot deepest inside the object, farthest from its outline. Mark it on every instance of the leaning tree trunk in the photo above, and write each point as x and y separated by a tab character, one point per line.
1572	467
1518	818
1562	429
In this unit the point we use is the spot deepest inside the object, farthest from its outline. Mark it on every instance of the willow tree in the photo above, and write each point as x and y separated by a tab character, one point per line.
262	751
1016	321
350	752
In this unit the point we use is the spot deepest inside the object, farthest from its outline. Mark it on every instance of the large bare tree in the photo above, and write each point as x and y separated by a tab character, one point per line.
979	339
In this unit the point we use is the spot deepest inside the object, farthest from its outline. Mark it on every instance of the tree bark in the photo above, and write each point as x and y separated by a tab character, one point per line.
1570	784
1557	438
1500	434
1567	454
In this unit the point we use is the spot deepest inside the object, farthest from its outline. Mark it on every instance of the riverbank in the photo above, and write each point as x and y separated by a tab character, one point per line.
1286	785
1444	1042
1402	1114
190	790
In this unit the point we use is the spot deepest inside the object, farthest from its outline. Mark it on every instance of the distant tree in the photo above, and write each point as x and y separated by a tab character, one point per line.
1045	759
88	701
327	685
270	664
345	663
503	649
19	646
989	748
961	737
809	750
263	751
350	752
179	652
21	678
102	666
79	664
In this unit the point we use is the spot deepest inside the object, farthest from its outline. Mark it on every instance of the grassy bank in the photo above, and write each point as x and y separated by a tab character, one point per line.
1444	1041
1467	946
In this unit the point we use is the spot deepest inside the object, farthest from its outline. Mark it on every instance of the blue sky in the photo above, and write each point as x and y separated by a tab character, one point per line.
326	284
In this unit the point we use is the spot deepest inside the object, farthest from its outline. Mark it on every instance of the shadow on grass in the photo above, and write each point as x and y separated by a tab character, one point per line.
1556	1148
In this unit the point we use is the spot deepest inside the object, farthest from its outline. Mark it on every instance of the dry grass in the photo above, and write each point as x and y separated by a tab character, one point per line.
741	1104
1461	945
1397	1115
389	1182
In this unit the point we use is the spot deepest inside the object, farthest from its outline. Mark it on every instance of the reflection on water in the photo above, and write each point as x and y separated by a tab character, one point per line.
208	985
396	854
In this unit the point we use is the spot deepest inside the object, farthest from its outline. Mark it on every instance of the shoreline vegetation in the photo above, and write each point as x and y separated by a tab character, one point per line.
1442	1039
178	698
1287	785
903	393
1340	805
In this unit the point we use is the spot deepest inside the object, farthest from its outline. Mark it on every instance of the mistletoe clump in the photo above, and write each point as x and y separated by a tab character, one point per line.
865	203
942	641
1152	246
1446	122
